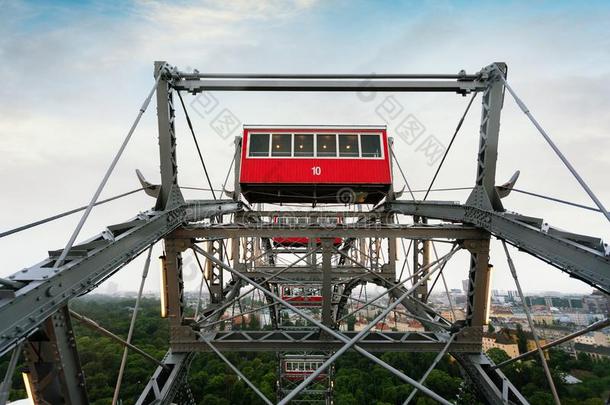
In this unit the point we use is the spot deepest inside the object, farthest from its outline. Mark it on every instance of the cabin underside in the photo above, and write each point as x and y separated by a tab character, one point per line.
315	193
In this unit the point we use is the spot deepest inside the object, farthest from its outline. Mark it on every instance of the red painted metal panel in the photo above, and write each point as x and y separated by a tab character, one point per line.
302	170
301	241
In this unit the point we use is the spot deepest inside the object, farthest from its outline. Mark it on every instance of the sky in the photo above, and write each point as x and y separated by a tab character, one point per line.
74	75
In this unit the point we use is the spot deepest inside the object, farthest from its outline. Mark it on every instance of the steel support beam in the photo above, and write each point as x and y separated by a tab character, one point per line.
240	374
493	386
327	288
169	194
311	340
216	310
5	389
484	194
365	84
593	327
132	324
53	366
237	157
580	261
166	381
323	327
214	274
45	290
174	285
491	383
310	273
479	284
379	230
91	324
337	76
316	214
438	358
547	371
421	260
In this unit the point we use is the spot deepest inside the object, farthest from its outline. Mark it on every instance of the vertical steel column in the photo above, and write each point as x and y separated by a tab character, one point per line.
53	365
390	218
213	272
236	184
479	283
327	293
241	262
235	252
373	253
169	193
391	196
485	195
421	260
174	288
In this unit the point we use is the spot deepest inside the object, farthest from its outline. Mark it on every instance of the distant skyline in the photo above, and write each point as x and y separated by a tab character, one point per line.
75	73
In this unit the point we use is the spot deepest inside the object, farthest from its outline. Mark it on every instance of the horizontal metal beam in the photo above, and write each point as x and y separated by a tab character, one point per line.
46	289
357	230
336	76
580	261
309	340
314	214
304	83
308	273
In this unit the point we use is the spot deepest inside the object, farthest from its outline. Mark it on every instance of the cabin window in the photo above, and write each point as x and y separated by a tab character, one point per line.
259	145
326	145
327	221
348	145
319	145
281	145
371	145
303	145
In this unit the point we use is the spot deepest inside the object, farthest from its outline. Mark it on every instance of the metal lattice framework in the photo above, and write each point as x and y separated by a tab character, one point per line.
231	241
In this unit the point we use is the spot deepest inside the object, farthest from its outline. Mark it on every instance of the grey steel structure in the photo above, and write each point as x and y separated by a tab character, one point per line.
235	242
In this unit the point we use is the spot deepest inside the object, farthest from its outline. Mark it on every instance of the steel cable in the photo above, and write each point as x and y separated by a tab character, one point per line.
457	129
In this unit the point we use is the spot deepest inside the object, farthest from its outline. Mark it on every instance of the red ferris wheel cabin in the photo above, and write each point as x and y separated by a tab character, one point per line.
315	164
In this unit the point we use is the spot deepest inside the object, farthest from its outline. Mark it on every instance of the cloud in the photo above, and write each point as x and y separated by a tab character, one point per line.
75	75
189	15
